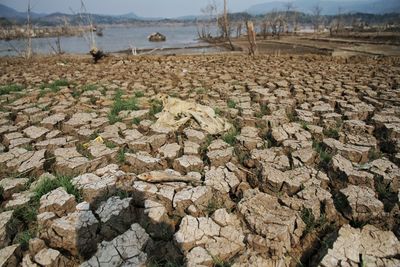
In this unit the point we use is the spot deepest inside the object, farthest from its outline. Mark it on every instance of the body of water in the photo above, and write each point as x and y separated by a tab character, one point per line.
113	39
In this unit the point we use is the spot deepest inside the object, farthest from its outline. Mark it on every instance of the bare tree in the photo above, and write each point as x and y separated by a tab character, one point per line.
29	53
339	20
210	13
226	28
276	22
289	6
316	11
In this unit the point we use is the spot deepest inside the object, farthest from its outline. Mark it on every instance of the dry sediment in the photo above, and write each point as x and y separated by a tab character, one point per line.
309	169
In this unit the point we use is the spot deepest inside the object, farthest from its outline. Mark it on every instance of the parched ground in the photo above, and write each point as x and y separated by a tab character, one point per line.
307	176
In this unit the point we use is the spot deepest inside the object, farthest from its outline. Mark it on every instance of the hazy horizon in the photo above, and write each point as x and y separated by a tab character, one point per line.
164	8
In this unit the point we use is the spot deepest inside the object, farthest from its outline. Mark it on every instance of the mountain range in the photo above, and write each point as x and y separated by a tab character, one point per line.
331	7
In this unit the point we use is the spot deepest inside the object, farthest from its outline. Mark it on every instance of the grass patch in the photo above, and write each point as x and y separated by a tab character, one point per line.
243	155
332	133
27	213
89	87
93	100
121	155
230	136
292	116
213	205
139	94
136	121
231	103
217	111
156	107
383	190
264	110
110	144
200	91
304	125
204	146
6	89
324	156
374	154
54	86
83	151
311	223
23	238
120	105
220	263
47	185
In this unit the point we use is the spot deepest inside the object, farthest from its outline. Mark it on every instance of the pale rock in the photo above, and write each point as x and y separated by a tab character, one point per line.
35	132
187	164
57	201
124	250
116	215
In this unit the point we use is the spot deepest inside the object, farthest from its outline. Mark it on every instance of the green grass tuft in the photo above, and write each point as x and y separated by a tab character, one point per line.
23	238
332	133
231	103
6	89
47	185
324	156
139	94
120	105
156	107
230	136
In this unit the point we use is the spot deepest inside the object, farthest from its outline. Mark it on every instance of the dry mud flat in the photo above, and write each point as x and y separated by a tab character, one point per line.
305	172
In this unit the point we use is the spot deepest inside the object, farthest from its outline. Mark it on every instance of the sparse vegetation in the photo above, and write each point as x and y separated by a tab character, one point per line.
23	238
324	156
120	105
213	205
136	121
109	144
139	94
217	111
200	91
54	86
231	103
156	107
83	151
264	110
89	87
47	185
230	136
220	263
332	133
311	223
10	88
304	125
374	154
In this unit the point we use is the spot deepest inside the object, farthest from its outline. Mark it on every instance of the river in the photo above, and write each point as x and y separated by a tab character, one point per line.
115	38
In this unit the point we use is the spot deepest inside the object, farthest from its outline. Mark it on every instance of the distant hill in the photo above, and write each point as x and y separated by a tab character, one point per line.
130	15
10	13
331	7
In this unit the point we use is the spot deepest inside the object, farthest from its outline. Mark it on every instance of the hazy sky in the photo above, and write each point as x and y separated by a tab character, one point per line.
145	8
